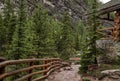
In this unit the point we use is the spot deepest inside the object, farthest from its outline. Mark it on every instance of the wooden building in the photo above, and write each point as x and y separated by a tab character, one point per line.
113	7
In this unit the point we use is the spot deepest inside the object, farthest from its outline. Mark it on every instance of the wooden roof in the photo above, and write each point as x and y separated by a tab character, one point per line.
111	6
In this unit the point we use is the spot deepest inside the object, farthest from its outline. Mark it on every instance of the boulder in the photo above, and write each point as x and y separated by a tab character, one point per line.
111	75
108	72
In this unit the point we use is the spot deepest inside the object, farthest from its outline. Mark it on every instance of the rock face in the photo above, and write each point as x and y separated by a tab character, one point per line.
117	45
111	75
109	48
76	8
56	8
111	51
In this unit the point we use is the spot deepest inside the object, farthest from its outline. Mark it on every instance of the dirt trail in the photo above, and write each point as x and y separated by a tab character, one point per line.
66	75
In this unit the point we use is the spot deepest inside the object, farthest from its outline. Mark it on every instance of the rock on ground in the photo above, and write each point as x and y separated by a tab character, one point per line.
66	74
111	75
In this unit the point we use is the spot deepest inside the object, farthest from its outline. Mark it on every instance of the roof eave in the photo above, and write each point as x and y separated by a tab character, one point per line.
109	9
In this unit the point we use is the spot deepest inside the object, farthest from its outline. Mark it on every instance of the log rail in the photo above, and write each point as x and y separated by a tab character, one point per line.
43	66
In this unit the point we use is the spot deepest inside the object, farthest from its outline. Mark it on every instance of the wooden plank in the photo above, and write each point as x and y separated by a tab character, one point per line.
23	70
13	62
40	78
34	73
109	28
54	61
2	69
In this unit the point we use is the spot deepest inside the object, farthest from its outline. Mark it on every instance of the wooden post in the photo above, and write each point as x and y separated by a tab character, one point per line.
30	71
116	30
45	62
2	69
51	62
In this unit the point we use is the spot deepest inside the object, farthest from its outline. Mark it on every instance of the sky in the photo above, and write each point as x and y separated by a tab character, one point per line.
104	1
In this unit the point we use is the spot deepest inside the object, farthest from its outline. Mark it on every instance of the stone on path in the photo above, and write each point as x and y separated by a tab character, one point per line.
66	74
113	75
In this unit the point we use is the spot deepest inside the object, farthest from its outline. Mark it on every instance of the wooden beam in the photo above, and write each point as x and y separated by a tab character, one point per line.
104	34
108	19
101	33
106	39
109	9
110	28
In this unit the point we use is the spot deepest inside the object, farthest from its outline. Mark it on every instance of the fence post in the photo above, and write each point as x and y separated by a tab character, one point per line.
2	69
45	62
51	62
54	60
30	71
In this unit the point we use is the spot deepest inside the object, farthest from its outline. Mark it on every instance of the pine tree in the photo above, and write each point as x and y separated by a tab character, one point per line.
2	36
66	44
9	23
79	35
23	38
21	41
90	52
45	43
57	30
30	38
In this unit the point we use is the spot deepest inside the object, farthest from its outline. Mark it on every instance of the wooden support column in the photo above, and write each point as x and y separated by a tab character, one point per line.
45	62
2	69
116	30
51	62
30	71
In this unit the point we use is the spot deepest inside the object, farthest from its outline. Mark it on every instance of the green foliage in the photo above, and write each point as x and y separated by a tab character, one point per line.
85	80
42	36
23	37
9	23
90	51
30	38
80	36
66	44
57	31
2	36
118	60
45	43
9	20
18	46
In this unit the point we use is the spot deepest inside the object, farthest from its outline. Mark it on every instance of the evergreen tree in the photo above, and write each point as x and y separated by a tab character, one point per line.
80	36
23	38
2	36
57	30
30	38
9	23
66	44
45	43
21	41
90	52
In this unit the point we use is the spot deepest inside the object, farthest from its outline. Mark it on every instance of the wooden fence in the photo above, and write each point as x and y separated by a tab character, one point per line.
43	66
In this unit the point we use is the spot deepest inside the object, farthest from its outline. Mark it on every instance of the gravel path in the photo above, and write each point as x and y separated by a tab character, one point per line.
66	74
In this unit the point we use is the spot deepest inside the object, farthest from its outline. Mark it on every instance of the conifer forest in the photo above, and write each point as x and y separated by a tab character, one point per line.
59	40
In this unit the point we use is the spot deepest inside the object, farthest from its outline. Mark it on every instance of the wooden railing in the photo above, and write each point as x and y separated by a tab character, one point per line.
44	68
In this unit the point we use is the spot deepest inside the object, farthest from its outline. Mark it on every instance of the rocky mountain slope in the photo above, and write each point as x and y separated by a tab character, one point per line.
76	8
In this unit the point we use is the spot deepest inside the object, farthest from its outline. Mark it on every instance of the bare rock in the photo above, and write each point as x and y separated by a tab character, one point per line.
114	77
46	79
61	69
68	68
51	77
118	73
110	71
65	64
